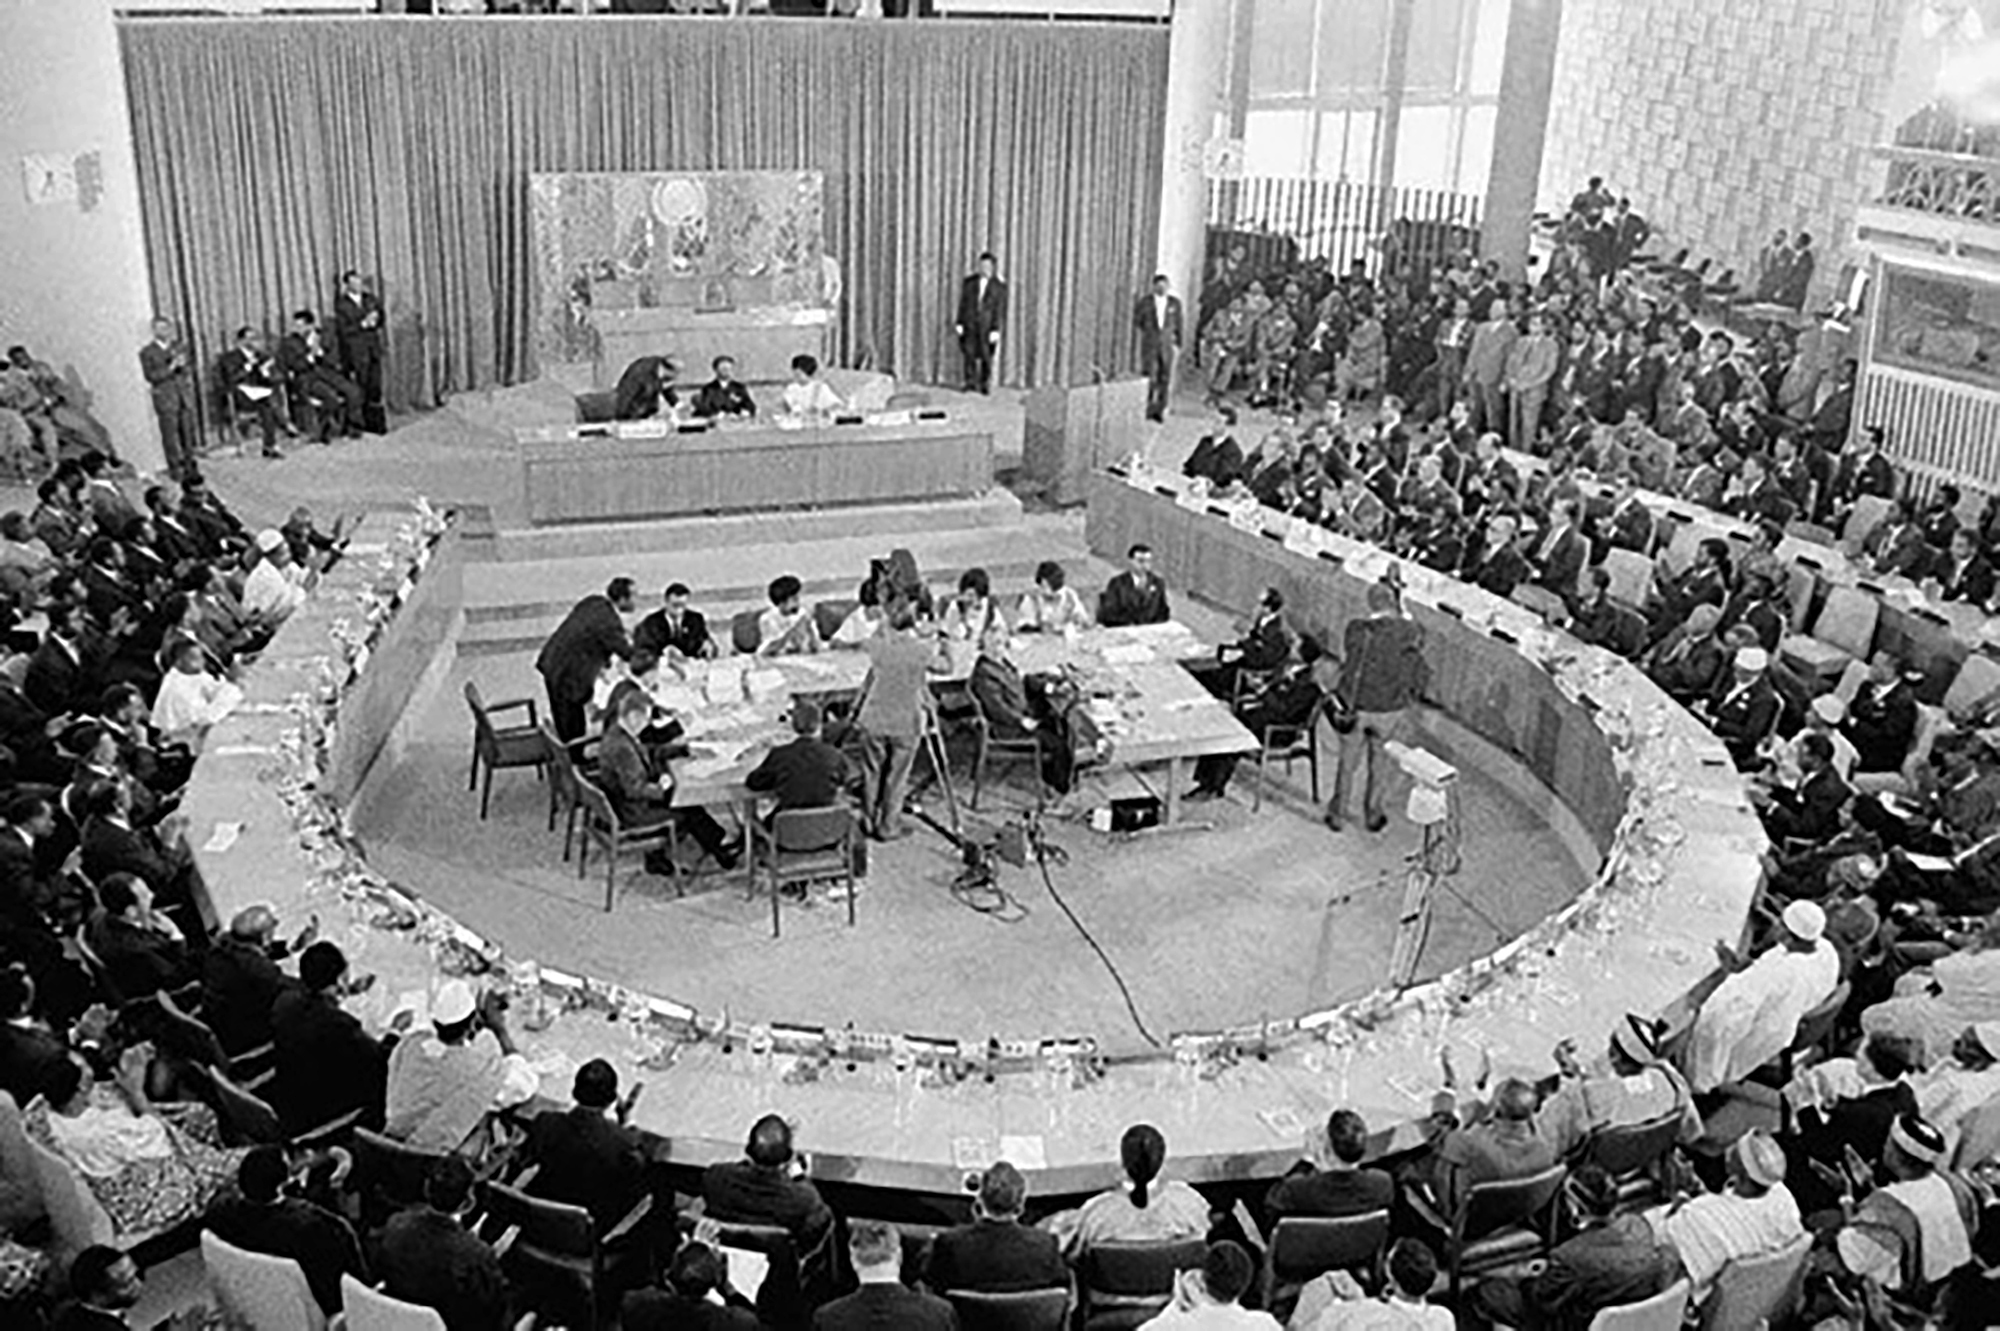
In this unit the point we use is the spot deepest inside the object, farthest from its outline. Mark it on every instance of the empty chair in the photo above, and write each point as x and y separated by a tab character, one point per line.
558	1249
1632	1153
1127	1284
1662	1312
389	1175
1306	1246
1977	682
496	747
1631	575
1287	744
803	846
745	634
1757	1291
1500	1223
1865	515
269	1293
1844	632
1024	1310
365	1309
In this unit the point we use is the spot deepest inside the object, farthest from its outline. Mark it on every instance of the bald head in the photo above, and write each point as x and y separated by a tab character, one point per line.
1515	1101
254	924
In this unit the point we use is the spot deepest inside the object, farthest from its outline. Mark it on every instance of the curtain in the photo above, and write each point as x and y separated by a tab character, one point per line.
274	154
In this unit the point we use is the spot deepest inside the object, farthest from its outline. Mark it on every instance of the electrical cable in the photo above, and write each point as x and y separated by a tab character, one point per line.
1044	852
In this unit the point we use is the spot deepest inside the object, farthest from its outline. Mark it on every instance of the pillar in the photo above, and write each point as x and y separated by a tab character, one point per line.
75	288
1198	76
1522	126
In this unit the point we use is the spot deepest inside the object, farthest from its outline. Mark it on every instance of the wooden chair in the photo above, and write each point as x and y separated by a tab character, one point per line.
365	1309
1757	1291
602	828
566	763
1663	1312
1631	1153
254	1068
244	1116
986	747
1977	680
746	635
558	1246
1023	1310
1287	744
496	747
269	1293
1844	632
1631	575
1498	1223
803	846
1127	1284
389	1175
1306	1246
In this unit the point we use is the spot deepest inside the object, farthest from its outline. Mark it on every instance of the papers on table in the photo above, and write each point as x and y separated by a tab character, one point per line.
723	683
1127	653
760	685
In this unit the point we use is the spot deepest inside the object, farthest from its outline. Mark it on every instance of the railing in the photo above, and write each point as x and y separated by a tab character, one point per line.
1281	221
1942	183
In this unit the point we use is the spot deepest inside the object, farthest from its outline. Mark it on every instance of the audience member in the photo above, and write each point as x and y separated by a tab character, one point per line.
882	1300
1152	1210
1211	1299
1756	1009
263	1218
1404	1304
328	1065
442	1086
996	1253
1609	1261
426	1255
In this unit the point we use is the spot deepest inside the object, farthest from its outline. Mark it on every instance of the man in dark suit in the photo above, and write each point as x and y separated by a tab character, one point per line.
327	1064
1382	675
165	363
1267	643
1286	699
1688	662
1136	596
674	631
111	844
695	1297
647	383
1745	713
724	395
767	1187
996	1253
334	397
1811	810
1895	545
1217	458
883	1303
262	1219
588	1157
1335	1185
1965	574
428	1256
1882	719
1561	551
641	787
140	951
1014	711
1157	317
806	772
27	890
577	652
982	310
104	1285
357	330
1629	524
250	376
241	981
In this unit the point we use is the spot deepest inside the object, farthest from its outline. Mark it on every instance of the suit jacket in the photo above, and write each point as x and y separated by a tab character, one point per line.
109	848
1971	583
1686	666
429	1258
720	399
996	1257
1631	527
582	645
804	773
655	634
1125	602
1217	458
1156	338
1499	574
980	316
886	1308
173	386
587	1160
300	357
25	892
327	1064
1880	726
1897	548
1331	1192
56	680
140	961
1812	811
1564	561
348	313
1267	645
1744	717
321	1242
742	1191
240	369
664	1310
240	984
1002	695
638	393
631	779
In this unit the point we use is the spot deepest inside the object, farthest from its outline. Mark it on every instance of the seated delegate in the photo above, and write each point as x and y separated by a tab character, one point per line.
724	396
808	396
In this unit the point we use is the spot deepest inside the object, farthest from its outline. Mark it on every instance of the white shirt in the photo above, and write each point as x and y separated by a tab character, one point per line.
1160	313
193	701
1214	1317
1754	1013
811	398
1713	1230
272	593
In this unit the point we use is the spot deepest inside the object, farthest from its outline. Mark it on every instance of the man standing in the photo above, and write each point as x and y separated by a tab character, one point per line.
892	716
1486	368
164	362
1530	366
357	329
577	652
1158	320
1382	673
332	394
982	310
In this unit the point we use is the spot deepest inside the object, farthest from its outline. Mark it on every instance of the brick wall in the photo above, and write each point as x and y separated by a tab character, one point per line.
1725	120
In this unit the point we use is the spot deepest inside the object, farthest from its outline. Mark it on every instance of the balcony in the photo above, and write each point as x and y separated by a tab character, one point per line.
1943	203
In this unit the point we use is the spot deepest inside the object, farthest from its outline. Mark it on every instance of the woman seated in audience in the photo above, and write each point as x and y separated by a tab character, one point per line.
968	615
149	1166
1152	1210
1051	606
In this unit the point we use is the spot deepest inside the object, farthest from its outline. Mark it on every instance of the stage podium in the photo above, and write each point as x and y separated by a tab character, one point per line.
1073	431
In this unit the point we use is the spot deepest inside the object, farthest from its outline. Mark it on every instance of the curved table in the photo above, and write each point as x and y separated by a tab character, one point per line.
1679	874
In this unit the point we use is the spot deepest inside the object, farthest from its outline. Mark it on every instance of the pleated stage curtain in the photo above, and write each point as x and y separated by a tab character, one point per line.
273	154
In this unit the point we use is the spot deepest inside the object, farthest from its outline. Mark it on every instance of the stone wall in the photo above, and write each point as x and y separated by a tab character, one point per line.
1725	120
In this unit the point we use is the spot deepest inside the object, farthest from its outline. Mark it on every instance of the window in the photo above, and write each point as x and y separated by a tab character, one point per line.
1275	143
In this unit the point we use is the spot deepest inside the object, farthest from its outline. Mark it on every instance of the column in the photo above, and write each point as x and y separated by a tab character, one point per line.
78	294
1198	77
1389	119
1512	187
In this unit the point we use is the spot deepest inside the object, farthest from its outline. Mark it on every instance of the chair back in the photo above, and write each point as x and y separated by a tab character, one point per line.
1847	620
1816	1025
562	768
17	1157
806	830
744	634
1118	1273
1864	517
1022	1310
555	1229
1305	1246
596	805
76	1217
828	616
1662	1312
1976	680
368	1309
389	1173
1501	1203
483	737
1800	585
269	1293
1627	1148
245	1115
1753	1291
1631	575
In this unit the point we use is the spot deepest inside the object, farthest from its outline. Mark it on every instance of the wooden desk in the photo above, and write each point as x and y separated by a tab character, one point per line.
581	473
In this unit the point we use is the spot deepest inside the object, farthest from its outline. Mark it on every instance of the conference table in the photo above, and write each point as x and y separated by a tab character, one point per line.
1149	710
630	470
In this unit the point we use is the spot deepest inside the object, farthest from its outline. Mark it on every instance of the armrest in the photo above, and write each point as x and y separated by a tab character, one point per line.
624	1227
527	1177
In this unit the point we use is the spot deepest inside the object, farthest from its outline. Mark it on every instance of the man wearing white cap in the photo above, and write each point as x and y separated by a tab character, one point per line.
442	1085
1755	1011
1628	1086
1746	710
277	586
1912	1233
1752	1216
1967	1081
